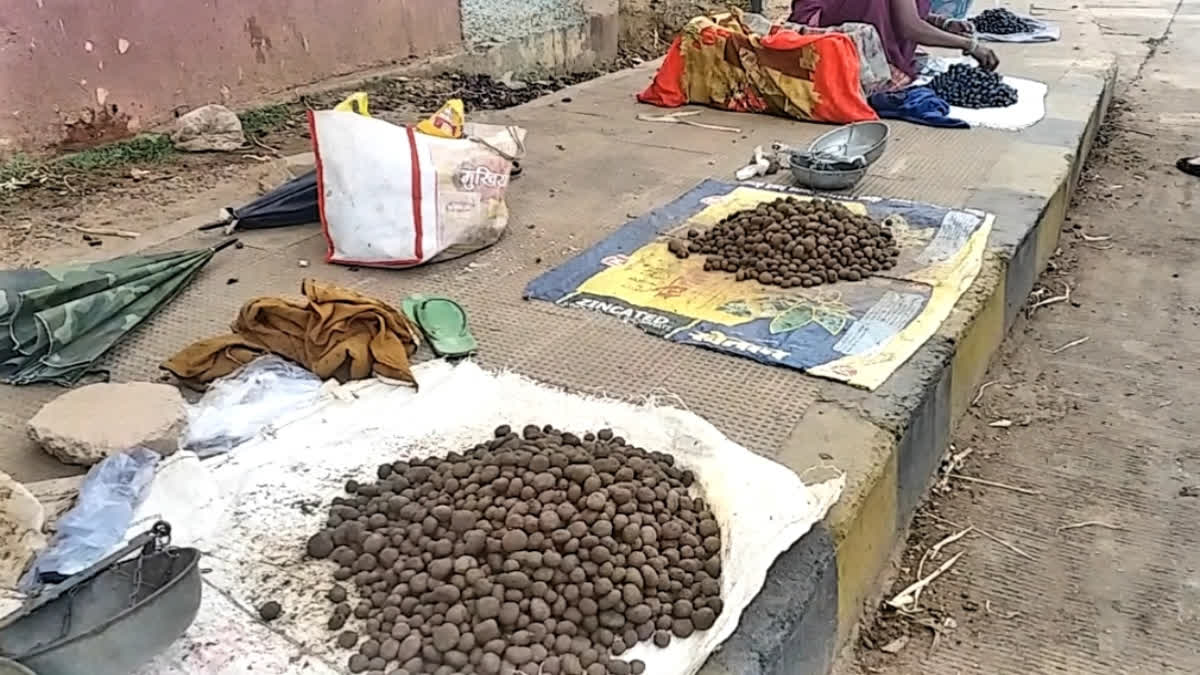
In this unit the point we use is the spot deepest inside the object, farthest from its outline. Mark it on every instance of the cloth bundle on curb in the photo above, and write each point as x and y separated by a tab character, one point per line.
719	61
335	332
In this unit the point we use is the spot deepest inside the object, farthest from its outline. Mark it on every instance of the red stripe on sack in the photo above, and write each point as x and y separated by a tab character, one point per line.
416	189
330	257
312	132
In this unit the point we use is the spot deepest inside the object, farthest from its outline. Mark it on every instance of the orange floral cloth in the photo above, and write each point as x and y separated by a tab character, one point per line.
718	61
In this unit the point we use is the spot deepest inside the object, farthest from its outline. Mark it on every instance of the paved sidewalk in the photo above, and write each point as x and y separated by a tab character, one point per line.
590	167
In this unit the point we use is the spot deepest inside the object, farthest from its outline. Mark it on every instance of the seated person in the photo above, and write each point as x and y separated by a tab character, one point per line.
902	25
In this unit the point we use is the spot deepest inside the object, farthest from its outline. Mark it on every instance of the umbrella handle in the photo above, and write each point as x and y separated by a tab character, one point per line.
215	224
224	245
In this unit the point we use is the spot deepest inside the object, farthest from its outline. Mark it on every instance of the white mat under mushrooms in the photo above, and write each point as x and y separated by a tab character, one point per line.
252	511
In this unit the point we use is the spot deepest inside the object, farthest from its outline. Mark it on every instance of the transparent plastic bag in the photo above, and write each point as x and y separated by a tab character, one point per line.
111	491
236	407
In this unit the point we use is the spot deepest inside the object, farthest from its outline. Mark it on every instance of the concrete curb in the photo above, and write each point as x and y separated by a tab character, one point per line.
817	591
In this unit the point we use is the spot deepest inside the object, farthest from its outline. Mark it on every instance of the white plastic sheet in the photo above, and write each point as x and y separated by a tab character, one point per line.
273	496
1041	31
1029	109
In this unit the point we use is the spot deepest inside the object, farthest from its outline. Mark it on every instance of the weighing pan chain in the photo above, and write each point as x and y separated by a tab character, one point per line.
161	541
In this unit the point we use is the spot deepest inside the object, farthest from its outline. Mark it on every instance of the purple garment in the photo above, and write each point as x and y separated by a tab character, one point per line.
824	13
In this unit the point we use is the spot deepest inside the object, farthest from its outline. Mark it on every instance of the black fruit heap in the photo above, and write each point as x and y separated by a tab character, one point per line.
967	86
1000	21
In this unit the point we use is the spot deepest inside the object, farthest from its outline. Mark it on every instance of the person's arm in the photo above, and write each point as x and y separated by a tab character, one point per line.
913	27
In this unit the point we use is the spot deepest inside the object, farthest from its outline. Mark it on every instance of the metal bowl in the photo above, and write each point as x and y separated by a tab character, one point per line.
10	667
861	139
821	173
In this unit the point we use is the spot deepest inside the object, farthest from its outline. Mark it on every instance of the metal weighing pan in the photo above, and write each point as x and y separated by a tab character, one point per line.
111	618
824	173
10	667
861	139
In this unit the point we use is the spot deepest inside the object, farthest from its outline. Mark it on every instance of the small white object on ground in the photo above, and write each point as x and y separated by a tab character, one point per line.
21	520
85	425
511	82
1089	523
680	118
932	554
1072	343
760	165
995	484
906	600
208	128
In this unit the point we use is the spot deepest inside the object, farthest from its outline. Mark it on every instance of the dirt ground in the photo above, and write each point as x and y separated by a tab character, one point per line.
51	220
60	215
648	26
1083	554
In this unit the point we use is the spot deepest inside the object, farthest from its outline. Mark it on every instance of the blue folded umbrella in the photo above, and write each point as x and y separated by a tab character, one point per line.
919	105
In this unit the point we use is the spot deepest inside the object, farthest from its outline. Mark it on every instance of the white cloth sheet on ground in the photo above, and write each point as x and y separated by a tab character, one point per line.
262	502
1043	31
1029	109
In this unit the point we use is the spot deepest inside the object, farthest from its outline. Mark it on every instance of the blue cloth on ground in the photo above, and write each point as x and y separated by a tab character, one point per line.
919	105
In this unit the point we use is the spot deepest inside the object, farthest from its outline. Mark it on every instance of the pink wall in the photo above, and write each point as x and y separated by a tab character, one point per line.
74	72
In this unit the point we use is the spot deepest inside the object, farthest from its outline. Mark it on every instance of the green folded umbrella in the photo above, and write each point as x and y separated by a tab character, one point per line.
56	322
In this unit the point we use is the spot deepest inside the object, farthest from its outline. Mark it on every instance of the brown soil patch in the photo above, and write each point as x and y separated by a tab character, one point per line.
39	223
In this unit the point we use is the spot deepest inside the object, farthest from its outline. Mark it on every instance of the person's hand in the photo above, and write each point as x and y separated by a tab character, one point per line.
958	27
986	57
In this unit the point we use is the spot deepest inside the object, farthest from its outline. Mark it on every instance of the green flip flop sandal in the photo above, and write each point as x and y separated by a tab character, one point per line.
444	324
